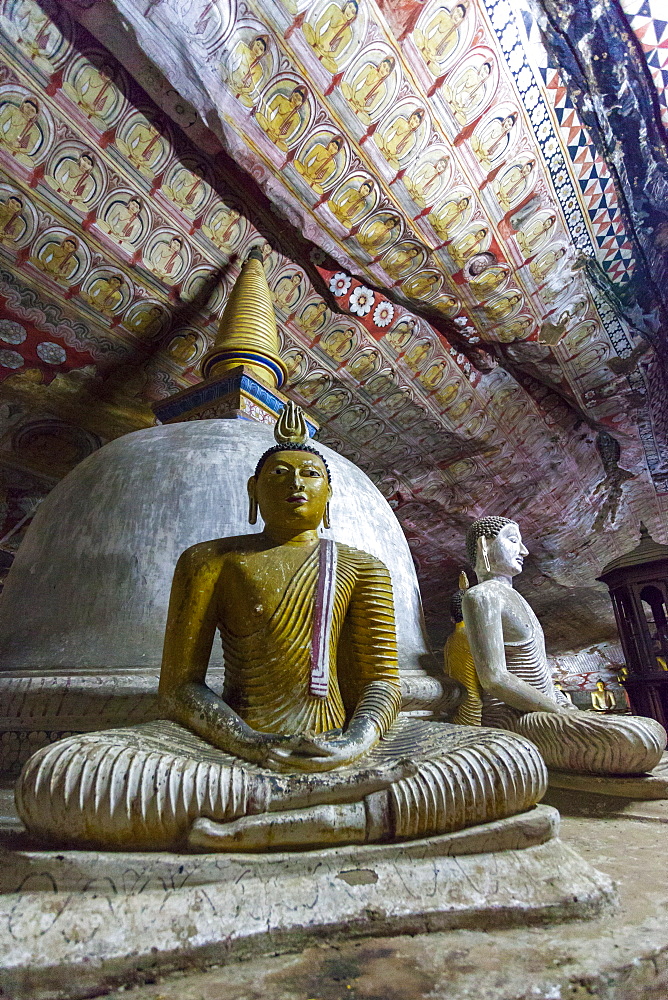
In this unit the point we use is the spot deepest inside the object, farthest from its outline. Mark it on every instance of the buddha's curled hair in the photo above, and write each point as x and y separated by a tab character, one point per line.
291	447
456	612
489	527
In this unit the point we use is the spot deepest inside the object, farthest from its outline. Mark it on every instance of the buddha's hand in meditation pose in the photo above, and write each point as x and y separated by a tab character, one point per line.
321	751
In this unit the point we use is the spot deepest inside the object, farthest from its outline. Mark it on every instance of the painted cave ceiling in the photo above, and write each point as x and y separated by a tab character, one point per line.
463	209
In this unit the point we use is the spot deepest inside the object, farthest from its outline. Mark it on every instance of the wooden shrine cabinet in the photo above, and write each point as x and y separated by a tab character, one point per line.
638	584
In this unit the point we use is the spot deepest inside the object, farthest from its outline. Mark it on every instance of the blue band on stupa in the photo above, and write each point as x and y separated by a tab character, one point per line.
244	357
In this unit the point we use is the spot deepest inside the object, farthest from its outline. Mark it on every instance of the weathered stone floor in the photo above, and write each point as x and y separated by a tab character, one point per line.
618	957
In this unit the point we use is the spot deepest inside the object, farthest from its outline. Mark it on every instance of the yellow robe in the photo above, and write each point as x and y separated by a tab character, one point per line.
58	261
446	219
330	36
349	206
399	263
424	185
95	95
398	140
460	666
104	297
280	120
438	39
12	223
366	92
375	235
75	182
490	144
187	190
143	146
247	74
21	135
318	166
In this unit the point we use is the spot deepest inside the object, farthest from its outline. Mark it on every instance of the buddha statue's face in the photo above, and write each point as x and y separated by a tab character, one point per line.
291	490
506	551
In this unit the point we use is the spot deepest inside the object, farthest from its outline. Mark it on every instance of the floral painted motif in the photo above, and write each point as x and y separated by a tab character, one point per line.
340	283
383	314
361	300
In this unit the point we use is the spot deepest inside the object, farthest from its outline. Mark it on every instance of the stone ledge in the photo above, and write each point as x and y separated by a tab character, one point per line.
623	955
640	786
610	807
85	922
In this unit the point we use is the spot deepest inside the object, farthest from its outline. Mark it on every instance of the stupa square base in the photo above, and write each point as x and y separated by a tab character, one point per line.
635	786
74	924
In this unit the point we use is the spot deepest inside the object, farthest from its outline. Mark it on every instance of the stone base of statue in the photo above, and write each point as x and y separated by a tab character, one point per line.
653	785
73	923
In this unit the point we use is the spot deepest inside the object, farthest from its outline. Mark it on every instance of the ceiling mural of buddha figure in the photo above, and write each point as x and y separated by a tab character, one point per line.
333	30
354	199
370	84
285	113
402	135
23	128
426	181
77	174
321	160
248	66
442	33
470	86
96	86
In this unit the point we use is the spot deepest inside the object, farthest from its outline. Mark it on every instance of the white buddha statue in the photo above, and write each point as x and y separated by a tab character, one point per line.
508	649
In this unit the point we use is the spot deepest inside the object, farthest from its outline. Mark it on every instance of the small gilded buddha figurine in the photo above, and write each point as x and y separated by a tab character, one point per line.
305	745
559	688
603	700
508	649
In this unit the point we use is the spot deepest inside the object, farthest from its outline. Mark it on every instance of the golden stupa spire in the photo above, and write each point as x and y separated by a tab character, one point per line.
247	334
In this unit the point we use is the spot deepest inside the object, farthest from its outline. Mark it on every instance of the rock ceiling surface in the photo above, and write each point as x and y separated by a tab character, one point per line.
462	211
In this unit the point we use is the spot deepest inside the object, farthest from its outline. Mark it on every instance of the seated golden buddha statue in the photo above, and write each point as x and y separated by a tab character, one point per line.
458	662
603	700
305	745
513	674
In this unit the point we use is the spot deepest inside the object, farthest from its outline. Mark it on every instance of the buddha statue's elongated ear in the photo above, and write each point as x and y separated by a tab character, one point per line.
483	553
252	500
326	520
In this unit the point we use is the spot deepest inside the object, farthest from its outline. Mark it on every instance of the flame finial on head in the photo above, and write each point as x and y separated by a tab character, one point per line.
290	428
456	599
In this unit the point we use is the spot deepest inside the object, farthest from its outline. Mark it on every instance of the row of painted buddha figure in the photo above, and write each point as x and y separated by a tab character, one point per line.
307	744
